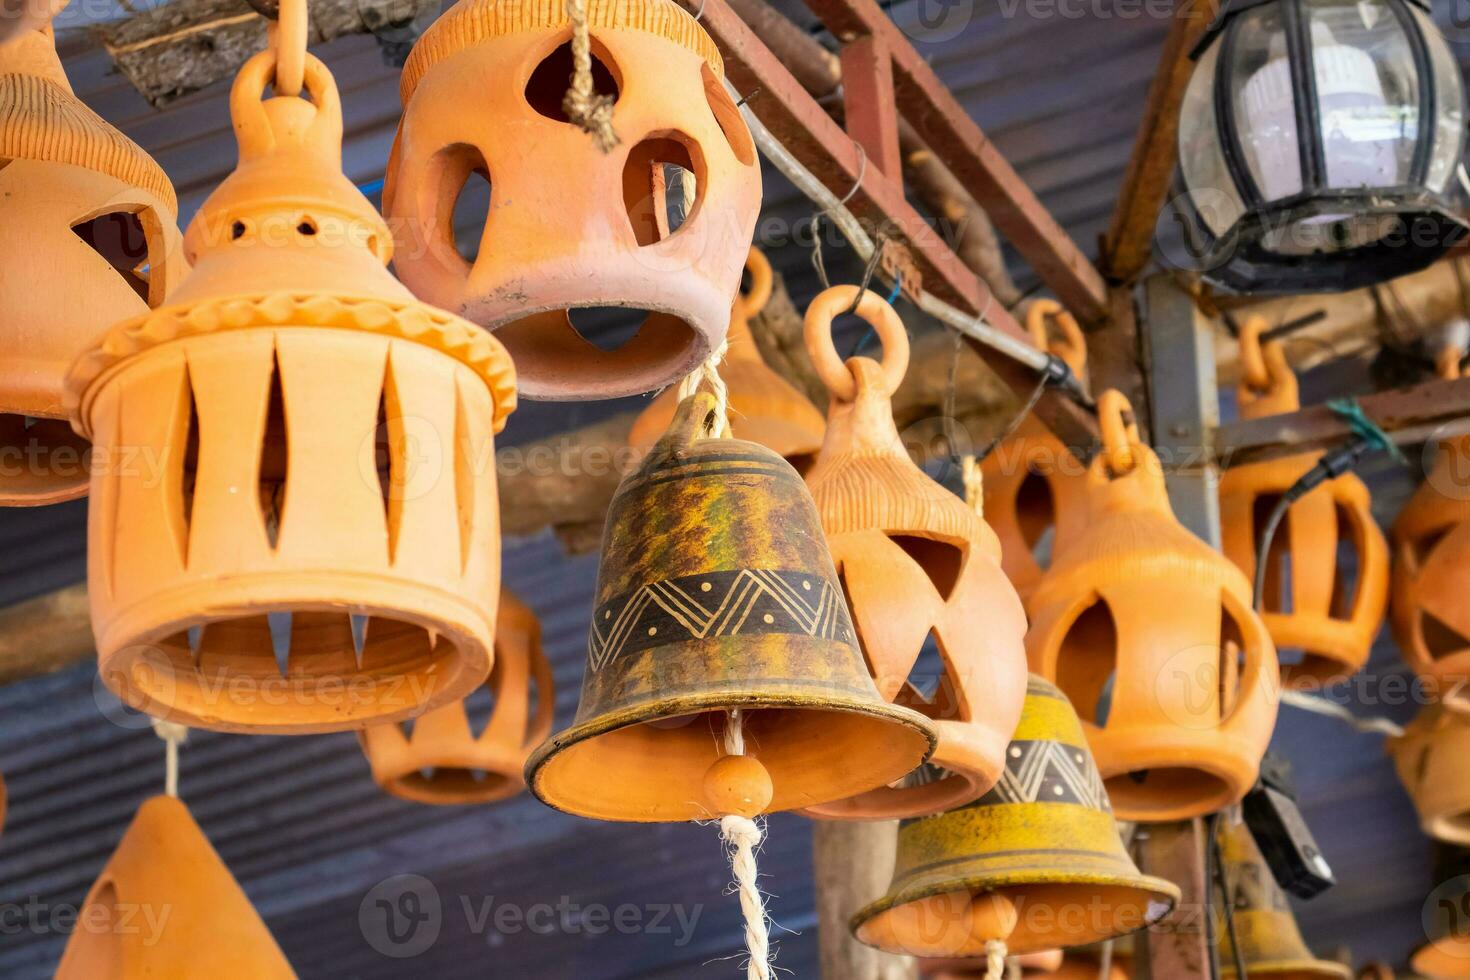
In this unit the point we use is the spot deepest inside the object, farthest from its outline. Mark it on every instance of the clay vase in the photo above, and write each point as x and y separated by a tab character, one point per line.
307	538
1150	633
914	562
1018	865
1034	485
438	757
166	906
716	592
1311	604
1430	759
1431	570
89	237
569	226
764	407
1271	945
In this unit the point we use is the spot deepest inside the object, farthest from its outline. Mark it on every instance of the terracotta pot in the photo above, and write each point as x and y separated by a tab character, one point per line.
85	210
914	562
1430	760
569	226
1034	486
717	593
439	758
1311	603
305	536
1036	863
764	407
165	905
1143	617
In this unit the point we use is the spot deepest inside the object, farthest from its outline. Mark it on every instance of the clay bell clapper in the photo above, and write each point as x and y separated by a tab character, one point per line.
569	226
716	592
1036	863
319	549
89	237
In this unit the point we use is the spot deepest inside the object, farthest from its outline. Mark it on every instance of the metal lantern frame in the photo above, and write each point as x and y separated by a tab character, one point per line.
1426	221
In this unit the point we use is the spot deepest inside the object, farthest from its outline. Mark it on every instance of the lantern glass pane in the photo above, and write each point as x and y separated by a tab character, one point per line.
1215	197
1449	106
1265	112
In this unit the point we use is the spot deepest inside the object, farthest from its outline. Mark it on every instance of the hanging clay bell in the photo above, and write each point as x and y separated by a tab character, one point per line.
915	562
1327	572
319	549
1271	945
1035	488
1035	863
716	592
88	238
439	758
165	905
1430	759
1431	571
659	225
764	407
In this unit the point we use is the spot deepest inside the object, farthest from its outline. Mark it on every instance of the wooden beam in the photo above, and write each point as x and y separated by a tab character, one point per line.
868	103
852	864
1176	948
45	634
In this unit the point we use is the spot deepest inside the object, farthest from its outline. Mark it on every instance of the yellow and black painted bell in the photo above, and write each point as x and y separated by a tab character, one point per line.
1035	863
1270	942
716	592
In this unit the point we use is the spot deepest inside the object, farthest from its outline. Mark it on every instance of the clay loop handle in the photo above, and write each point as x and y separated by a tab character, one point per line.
1447	362
253	127
1119	428
759	268
286	36
835	374
1071	347
1263	367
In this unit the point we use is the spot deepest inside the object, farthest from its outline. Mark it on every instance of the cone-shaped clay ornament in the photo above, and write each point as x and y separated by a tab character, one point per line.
1430	758
88	238
716	591
440	758
318	547
1017	865
1271	945
915	562
483	94
187	915
1327	573
764	407
1140	611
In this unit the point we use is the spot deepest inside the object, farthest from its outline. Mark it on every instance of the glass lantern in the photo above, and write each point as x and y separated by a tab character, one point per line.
1320	144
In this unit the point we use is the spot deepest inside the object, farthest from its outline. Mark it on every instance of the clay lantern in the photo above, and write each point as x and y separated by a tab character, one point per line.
1035	488
89	237
164	862
658	226
1327	571
915	563
318	548
440	758
1430	759
764	407
1150	633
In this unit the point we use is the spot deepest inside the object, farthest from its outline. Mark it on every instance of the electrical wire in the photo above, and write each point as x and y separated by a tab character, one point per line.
1212	941
1227	900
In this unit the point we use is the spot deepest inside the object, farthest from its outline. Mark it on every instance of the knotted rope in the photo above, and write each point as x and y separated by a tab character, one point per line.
742	835
974	481
583	105
709	372
173	735
995	960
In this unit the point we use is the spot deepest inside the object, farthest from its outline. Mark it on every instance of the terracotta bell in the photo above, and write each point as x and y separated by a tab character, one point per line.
319	549
439	758
1313	602
1036	863
569	226
1431	571
89	237
764	407
1270	942
1035	488
1430	759
914	562
186	914
1150	632
715	592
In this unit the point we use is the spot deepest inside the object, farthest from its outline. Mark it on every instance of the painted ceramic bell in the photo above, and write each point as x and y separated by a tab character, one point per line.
1327	573
166	906
764	407
308	537
440	758
570	227
1271	945
1431	571
1430	759
915	563
1035	488
716	591
1019	864
88	238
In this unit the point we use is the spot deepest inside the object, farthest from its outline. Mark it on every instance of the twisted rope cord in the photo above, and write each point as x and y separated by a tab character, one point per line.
742	836
995	960
709	372
584	105
974	483
173	735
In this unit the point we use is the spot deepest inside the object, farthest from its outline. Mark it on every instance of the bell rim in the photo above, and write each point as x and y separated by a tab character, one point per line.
1292	968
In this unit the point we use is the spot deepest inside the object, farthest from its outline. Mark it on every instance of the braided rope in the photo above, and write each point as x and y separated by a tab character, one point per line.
995	960
709	372
742	836
583	105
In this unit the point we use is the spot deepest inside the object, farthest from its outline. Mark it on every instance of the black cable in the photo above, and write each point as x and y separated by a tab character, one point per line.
1212	942
1227	903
